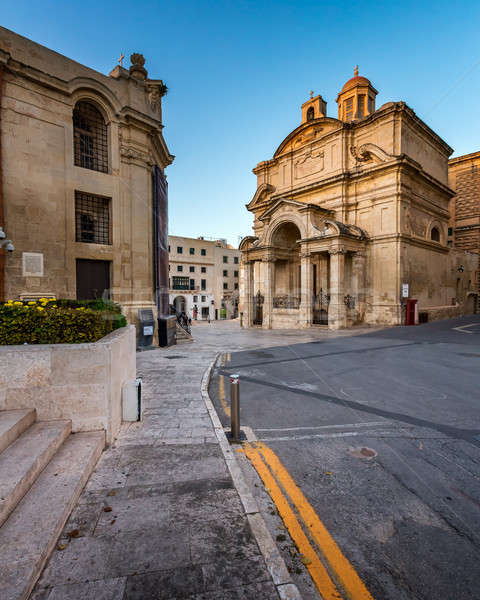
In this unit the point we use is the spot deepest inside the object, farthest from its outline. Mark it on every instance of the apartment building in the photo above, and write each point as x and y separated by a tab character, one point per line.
203	277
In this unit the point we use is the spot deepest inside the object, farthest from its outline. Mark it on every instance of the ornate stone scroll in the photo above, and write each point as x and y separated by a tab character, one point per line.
366	152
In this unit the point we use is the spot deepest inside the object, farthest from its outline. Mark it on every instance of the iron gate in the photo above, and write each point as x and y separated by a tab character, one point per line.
258	309
320	308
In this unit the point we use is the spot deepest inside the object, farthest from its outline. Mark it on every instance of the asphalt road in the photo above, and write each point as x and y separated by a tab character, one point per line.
382	434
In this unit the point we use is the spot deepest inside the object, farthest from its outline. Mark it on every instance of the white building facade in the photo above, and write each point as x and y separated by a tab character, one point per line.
203	278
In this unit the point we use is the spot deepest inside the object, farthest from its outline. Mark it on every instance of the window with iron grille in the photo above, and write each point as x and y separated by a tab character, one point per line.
235	273
203	252
192	269
192	250
92	218
235	260
90	138
204	269
203	284
180	268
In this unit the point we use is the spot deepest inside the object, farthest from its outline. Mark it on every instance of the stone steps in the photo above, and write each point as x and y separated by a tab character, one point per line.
182	335
13	423
43	470
23	461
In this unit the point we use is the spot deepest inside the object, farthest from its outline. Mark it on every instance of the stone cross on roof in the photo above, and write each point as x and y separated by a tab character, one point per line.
121	59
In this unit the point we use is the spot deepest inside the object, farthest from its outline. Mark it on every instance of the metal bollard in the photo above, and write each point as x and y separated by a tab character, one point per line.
235	408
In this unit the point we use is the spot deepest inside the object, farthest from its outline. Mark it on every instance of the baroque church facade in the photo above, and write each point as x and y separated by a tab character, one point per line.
350	218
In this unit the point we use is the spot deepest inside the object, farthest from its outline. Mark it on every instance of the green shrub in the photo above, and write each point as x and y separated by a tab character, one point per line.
45	322
97	304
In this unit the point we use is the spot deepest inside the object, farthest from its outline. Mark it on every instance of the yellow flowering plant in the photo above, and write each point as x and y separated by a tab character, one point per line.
50	321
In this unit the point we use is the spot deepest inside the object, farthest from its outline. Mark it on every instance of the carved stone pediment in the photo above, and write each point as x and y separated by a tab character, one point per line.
306	133
263	191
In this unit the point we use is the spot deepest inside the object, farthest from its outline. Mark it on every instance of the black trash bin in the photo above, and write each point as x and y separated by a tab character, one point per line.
146	329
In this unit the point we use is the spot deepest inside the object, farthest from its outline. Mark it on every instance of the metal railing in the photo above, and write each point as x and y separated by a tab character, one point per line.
182	320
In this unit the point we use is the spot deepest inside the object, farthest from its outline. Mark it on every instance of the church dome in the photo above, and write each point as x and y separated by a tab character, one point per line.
354	81
357	98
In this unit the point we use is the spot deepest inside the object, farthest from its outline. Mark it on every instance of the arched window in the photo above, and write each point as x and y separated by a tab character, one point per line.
310	114
90	140
435	234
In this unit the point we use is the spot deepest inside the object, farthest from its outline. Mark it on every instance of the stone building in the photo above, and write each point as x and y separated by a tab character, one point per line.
204	277
464	225
82	185
347	212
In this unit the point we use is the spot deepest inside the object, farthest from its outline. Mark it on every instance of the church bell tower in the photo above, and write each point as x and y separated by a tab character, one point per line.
357	98
315	108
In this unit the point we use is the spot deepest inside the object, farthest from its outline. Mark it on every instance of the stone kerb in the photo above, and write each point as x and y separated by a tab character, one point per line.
81	382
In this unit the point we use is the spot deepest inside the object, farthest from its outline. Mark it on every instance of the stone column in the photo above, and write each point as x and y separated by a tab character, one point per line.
247	294
358	283
306	292
268	282
337	316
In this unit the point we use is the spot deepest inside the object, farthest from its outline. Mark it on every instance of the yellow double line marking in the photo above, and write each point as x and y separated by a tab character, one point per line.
221	385
331	572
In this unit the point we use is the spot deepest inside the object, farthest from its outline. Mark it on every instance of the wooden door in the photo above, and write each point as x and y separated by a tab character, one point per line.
93	279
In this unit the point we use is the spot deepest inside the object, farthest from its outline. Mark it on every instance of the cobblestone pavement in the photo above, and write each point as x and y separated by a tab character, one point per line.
160	517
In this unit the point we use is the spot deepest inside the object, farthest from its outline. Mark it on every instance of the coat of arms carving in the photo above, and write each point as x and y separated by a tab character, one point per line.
310	163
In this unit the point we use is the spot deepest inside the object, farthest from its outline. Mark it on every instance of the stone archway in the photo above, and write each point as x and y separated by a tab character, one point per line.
287	279
180	304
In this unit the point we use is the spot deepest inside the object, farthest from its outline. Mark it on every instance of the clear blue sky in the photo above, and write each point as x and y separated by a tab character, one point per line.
238	71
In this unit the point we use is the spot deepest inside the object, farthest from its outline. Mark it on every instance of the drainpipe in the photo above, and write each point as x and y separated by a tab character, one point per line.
2	220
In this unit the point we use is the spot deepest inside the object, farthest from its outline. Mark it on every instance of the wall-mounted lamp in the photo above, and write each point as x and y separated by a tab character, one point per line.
4	243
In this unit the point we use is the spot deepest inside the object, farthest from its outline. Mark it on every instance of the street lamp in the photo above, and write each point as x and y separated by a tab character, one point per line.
8	244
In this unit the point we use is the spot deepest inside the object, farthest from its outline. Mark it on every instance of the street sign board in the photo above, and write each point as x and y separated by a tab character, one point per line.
404	290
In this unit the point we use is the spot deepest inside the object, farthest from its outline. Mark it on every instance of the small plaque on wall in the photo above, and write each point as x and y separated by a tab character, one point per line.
32	264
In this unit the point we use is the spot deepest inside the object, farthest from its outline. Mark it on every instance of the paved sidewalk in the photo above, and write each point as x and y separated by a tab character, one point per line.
160	518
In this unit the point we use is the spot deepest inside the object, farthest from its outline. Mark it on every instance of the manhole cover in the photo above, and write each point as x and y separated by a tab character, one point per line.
262	354
363	452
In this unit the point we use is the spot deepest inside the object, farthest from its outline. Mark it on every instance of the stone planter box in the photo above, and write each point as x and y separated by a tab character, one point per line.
81	382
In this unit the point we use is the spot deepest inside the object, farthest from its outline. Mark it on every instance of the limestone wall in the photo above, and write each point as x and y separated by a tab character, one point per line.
41	89
81	382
